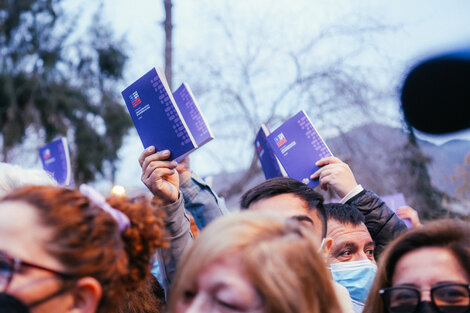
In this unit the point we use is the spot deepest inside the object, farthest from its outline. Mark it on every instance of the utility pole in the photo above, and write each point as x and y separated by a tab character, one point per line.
168	26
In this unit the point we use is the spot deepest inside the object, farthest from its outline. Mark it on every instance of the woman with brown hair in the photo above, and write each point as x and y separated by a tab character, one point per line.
250	262
63	250
424	270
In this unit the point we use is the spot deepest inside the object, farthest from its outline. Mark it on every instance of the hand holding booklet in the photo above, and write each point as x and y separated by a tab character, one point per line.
166	120
297	145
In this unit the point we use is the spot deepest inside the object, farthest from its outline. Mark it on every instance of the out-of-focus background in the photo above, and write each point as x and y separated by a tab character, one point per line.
64	63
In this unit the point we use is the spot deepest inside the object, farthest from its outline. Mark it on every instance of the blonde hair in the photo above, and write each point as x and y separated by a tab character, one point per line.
279	256
14	176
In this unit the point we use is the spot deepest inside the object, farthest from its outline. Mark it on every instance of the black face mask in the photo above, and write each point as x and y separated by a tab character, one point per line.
11	304
427	307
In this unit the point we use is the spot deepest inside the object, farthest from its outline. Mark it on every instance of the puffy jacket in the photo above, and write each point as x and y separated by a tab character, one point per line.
383	224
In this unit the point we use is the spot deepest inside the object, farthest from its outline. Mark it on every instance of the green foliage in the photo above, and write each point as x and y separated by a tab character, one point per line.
111	62
58	86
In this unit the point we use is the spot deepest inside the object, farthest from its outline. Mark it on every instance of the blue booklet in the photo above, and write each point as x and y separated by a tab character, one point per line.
192	115
298	146
394	202
160	120
269	162
55	158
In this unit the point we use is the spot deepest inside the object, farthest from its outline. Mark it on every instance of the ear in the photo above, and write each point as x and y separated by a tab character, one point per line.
327	244
87	295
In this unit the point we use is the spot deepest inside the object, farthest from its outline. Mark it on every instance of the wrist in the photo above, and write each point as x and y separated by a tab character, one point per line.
353	192
184	177
164	201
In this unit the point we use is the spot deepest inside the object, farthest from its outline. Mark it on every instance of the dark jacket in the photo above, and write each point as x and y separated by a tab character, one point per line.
383	224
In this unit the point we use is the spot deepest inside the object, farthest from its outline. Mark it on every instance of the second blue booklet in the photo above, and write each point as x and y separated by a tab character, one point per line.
55	158
269	162
168	124
298	146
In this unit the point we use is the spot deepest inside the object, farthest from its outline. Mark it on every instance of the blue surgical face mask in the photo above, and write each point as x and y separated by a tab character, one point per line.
356	276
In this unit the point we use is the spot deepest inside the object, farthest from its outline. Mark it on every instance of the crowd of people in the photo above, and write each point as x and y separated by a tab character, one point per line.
179	250
68	249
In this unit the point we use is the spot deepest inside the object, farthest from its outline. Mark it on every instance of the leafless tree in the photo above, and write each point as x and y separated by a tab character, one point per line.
462	177
246	77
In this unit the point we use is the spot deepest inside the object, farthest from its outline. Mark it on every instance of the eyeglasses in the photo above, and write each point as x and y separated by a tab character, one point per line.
10	265
447	298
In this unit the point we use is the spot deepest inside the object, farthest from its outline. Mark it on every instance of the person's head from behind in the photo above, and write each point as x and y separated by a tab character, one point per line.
289	198
14	176
426	269
253	262
61	252
351	257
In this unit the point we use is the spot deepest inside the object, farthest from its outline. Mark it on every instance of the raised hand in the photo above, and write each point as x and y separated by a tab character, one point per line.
409	213
336	174
159	175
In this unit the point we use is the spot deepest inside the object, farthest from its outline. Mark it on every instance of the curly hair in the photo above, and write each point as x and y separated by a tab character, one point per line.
88	242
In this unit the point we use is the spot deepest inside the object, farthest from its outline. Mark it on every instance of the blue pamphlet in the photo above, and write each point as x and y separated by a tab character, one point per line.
269	162
394	202
192	115
158	118
298	146
55	158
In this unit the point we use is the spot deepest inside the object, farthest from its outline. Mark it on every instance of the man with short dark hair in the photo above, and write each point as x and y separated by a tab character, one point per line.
381	222
293	199
347	229
289	198
351	257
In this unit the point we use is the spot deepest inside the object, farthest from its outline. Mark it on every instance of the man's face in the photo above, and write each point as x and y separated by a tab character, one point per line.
289	205
350	243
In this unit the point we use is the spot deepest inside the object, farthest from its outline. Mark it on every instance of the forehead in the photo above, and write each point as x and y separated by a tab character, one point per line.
428	266
286	205
226	270
289	205
227	278
21	233
347	232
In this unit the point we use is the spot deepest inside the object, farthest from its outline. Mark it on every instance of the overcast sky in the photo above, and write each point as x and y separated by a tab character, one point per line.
424	27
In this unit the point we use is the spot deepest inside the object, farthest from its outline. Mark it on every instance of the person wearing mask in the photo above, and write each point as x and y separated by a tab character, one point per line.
381	222
291	199
351	257
64	250
254	263
425	270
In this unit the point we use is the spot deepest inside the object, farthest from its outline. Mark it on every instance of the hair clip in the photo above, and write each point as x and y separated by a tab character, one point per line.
98	199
